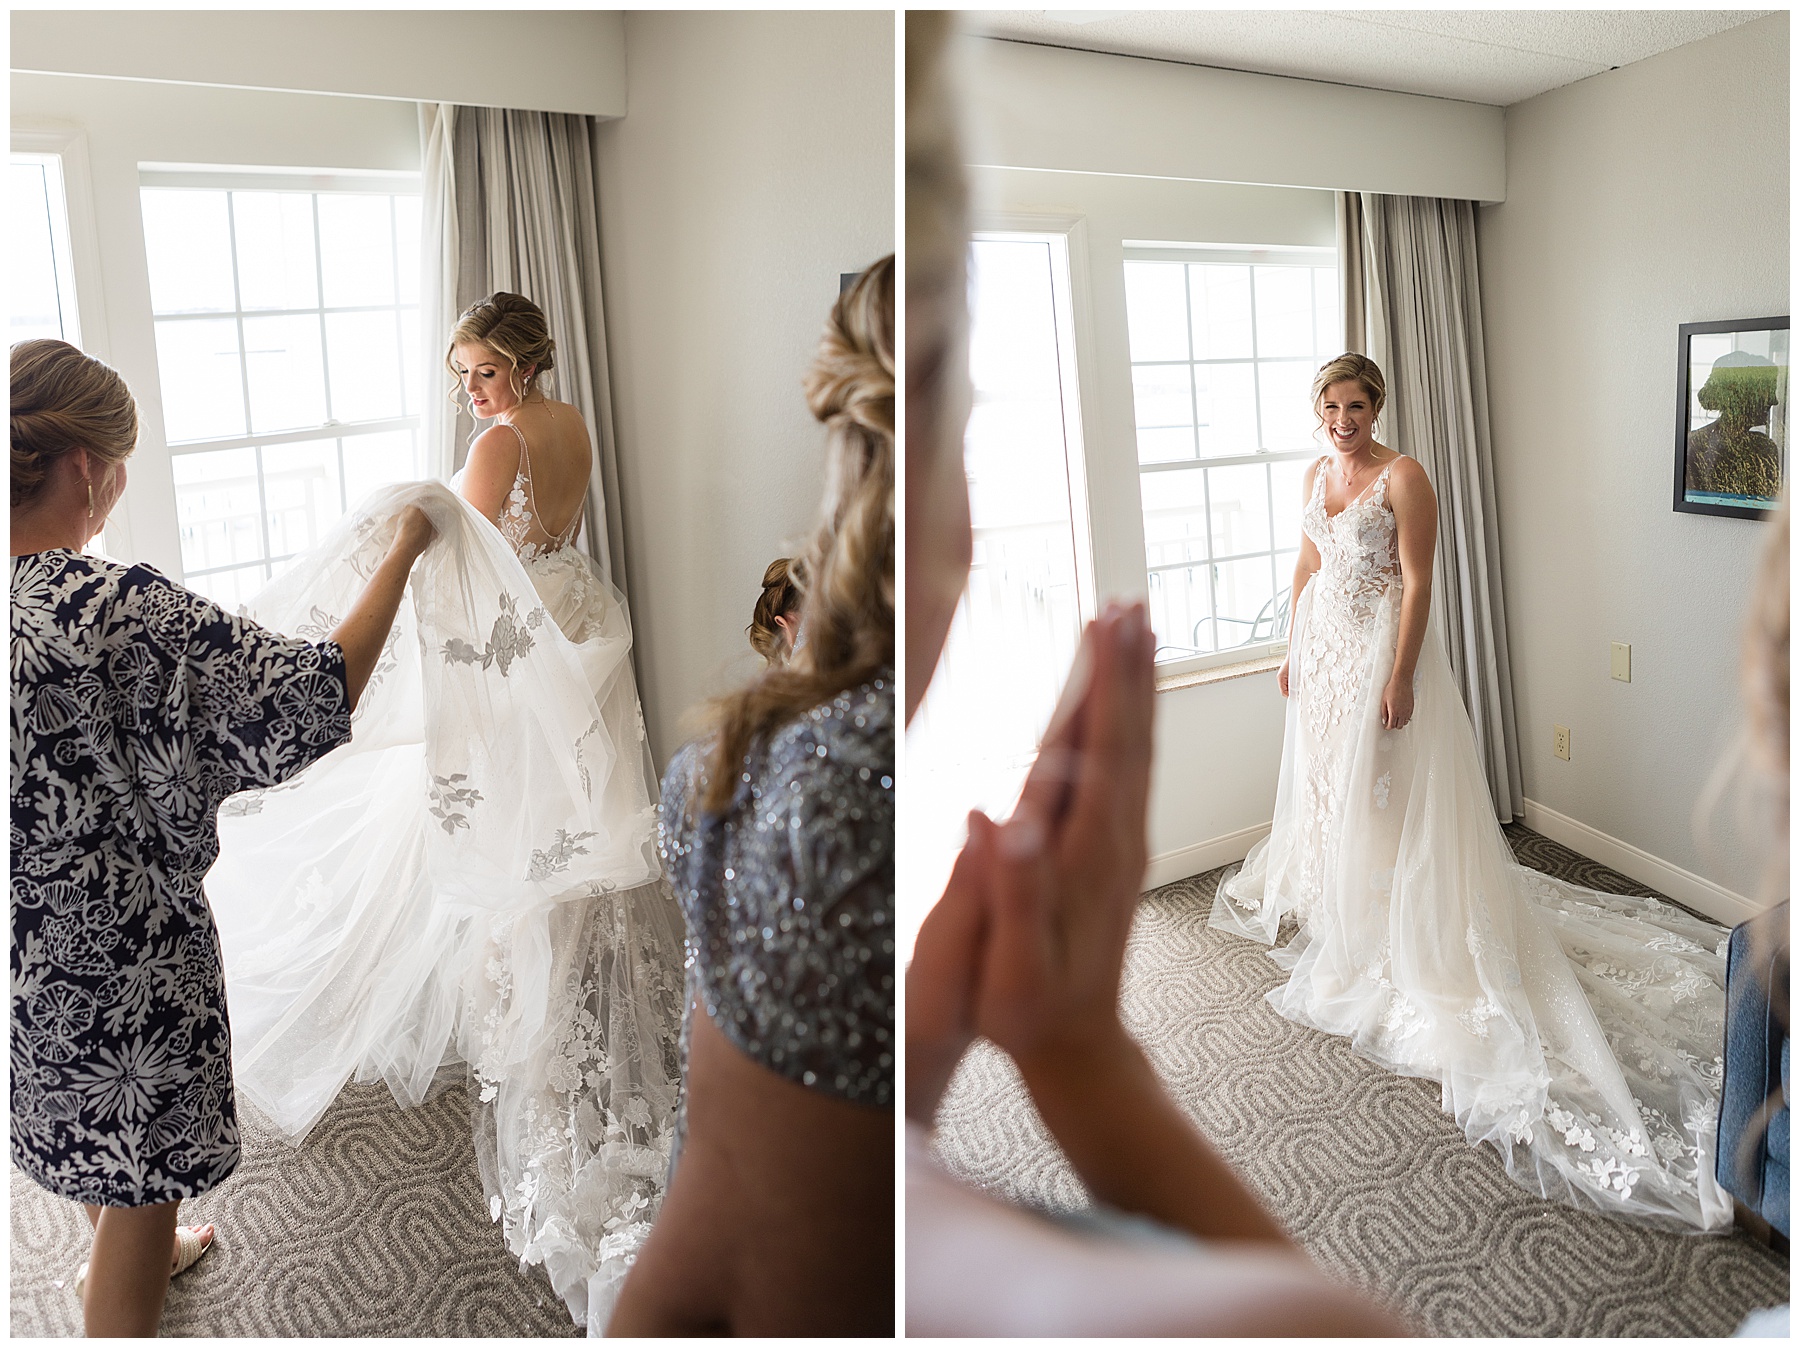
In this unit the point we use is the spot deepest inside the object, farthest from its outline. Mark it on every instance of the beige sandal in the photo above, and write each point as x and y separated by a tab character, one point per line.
188	1248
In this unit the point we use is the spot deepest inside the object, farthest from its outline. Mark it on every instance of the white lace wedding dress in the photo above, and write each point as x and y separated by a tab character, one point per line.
473	879
1580	1033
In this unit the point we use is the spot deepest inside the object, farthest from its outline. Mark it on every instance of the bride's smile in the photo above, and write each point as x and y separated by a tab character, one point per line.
1348	418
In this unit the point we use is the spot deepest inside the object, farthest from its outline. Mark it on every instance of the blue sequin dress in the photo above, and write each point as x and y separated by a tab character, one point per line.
789	896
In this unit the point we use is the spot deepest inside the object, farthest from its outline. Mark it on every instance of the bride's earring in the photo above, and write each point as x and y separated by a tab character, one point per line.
90	487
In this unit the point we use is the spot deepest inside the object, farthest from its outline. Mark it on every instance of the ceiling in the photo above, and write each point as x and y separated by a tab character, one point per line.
1479	56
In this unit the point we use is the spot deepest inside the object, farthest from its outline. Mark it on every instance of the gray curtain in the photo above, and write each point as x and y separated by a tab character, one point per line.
1409	272
527	219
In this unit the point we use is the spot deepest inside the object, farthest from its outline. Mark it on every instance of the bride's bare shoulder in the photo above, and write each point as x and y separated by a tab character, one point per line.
1408	483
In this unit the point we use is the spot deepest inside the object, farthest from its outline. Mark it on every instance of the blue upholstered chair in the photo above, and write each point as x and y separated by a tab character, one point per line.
1753	1143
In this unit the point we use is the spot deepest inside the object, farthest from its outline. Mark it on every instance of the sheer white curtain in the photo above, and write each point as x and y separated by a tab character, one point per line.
437	289
1412	304
523	214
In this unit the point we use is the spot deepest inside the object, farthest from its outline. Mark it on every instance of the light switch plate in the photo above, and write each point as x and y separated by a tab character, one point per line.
1621	661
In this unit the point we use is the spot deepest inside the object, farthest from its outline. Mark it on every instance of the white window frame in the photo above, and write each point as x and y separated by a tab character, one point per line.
1227	254
214	177
68	146
1067	238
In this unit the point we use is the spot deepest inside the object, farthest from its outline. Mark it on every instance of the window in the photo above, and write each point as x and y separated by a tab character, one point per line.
1019	621
43	284
1224	345
288	347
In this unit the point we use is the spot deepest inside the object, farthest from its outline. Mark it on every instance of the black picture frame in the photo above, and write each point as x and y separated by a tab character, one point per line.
1720	470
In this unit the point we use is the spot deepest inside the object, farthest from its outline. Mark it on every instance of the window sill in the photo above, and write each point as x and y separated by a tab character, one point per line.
1169	683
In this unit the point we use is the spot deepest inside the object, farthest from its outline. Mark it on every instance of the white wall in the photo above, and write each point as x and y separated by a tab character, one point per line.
567	61
128	122
755	164
1218	745
1636	200
1051	108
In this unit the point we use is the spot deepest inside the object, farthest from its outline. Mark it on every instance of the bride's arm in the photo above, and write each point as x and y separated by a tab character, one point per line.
1415	519
493	464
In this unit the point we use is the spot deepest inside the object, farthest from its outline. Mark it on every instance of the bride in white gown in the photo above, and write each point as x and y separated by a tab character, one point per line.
473	879
1580	1033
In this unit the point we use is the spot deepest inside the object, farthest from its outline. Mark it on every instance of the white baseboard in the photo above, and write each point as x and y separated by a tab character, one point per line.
1693	891
1167	867
1696	892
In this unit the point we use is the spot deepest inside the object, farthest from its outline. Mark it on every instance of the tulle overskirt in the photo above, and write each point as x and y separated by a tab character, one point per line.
1579	1033
470	888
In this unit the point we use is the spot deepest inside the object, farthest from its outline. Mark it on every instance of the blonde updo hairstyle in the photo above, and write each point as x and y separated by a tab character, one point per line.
1349	366
846	572
63	400
779	598
515	328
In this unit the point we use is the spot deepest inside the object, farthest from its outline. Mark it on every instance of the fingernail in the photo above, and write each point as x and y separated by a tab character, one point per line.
1021	838
1129	628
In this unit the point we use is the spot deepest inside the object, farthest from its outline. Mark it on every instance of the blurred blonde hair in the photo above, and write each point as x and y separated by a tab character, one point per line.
937	238
846	572
63	400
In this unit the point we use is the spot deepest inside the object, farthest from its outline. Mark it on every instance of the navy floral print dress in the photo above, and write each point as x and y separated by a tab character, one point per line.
137	706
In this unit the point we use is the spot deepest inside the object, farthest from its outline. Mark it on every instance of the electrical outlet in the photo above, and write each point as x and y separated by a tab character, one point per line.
1621	661
1562	742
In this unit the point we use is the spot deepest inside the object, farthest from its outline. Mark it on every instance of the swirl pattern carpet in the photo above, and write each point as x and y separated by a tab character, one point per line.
375	1227
1378	1186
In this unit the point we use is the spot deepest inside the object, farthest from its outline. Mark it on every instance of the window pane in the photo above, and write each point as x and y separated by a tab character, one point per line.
1018	623
187	242
1287	415
356	247
277	267
202	382
1284	583
38	306
1221	297
1284	311
287	373
219	509
1225	396
363	351
300	483
1289	490
409	361
229	589
1240	510
407	238
1156	310
1174	517
1329	341
372	461
1246	596
1181	612
1165	446
1163	395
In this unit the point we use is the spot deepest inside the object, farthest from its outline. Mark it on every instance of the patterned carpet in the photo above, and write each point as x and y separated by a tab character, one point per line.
1376	1184
376	1227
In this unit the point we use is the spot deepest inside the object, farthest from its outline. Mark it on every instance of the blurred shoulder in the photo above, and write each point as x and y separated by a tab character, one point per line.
846	742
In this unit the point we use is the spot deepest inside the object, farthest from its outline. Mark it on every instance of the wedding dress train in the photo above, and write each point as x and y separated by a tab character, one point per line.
472	879
1580	1033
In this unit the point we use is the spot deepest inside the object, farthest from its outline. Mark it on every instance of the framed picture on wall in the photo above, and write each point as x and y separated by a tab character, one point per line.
1731	417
